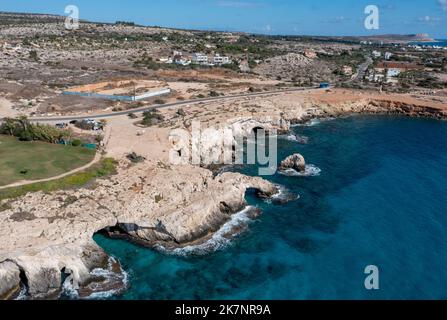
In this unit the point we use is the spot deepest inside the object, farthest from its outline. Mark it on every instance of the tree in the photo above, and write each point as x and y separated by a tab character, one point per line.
33	55
24	122
8	126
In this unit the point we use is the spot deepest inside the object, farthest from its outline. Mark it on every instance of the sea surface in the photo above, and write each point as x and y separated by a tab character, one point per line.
380	199
439	42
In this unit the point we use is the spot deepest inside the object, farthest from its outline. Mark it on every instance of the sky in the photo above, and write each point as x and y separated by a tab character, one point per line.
293	17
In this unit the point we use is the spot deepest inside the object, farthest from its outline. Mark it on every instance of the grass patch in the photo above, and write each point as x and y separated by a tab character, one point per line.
105	167
36	160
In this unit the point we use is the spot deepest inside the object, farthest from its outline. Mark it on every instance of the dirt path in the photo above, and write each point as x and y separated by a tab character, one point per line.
27	182
6	109
95	160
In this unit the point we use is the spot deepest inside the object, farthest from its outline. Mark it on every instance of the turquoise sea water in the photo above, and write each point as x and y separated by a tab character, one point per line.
380	200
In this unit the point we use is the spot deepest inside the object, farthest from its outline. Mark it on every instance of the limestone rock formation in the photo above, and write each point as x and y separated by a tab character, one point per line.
44	235
9	280
295	161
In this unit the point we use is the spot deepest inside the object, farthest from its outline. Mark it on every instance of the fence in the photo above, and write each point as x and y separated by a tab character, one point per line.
119	98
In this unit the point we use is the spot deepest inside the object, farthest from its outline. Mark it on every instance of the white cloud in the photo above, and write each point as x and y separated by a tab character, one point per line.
443	4
338	19
268	28
429	19
238	4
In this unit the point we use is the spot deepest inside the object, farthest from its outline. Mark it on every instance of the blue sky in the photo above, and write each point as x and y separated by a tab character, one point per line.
310	17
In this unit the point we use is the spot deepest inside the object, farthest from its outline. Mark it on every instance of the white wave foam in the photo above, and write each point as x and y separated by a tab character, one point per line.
22	294
291	137
69	290
298	138
218	241
310	123
283	195
310	171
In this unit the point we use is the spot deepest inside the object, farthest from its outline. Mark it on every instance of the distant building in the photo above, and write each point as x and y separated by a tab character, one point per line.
390	70
220	60
397	67
393	72
199	58
376	77
388	55
376	54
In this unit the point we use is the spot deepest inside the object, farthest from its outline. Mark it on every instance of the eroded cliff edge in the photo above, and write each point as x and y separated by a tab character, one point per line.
46	235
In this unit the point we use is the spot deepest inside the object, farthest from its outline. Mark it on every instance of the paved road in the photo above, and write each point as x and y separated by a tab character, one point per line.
174	104
362	69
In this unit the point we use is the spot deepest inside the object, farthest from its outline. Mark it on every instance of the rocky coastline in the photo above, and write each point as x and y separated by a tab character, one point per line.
48	237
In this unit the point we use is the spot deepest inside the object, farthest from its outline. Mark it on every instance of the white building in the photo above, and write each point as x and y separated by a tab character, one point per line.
376	54
393	72
199	58
388	55
219	60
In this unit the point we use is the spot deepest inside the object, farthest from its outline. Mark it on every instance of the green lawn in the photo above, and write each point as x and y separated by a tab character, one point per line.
38	160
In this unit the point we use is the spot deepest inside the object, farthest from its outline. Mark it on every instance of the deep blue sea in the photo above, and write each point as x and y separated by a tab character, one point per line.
439	42
381	199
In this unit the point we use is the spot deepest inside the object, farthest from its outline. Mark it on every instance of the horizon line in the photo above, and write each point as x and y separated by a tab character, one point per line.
218	30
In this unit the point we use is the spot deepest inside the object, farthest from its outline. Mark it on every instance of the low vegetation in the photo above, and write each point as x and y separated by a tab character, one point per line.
24	130
106	167
151	118
135	158
36	160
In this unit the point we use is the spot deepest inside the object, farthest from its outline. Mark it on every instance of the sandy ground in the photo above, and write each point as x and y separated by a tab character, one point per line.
126	137
6	109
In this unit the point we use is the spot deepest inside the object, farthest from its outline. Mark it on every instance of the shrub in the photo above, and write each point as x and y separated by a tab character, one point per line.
25	136
135	158
25	131
151	118
159	101
33	55
76	143
99	138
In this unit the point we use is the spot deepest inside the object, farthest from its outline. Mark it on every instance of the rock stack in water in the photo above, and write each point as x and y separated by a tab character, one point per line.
295	162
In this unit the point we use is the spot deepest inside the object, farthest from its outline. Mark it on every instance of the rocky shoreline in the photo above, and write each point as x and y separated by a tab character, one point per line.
48	237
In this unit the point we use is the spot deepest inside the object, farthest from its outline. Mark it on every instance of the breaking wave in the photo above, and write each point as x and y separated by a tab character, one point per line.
23	295
309	123
296	138
220	240
282	196
310	171
109	276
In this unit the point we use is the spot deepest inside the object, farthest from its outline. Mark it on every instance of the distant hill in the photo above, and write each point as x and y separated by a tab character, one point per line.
21	18
392	38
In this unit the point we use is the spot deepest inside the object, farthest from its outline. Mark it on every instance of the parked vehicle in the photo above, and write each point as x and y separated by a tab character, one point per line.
61	125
